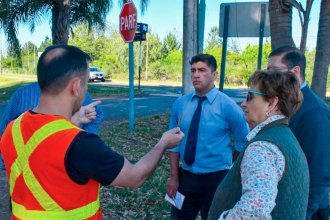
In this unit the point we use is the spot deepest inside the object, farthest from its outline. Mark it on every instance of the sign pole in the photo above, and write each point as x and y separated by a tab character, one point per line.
261	34
127	28
140	64
224	49
131	86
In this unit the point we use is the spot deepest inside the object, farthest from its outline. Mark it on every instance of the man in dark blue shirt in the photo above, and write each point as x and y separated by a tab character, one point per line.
310	125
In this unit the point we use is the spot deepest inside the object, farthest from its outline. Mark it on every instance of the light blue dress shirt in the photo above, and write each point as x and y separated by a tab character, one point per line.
27	97
221	118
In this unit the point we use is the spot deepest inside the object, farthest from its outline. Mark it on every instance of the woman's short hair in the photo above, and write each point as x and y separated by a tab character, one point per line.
283	85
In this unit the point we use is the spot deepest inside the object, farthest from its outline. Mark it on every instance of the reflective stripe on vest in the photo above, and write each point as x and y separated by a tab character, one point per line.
21	166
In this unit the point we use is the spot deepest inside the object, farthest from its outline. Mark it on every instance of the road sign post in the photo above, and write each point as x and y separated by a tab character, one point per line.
127	29
140	35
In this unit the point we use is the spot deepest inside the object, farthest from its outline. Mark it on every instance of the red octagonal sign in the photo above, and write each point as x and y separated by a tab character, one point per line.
128	21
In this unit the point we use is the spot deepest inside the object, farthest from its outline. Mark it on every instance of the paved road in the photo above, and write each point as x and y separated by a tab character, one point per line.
155	99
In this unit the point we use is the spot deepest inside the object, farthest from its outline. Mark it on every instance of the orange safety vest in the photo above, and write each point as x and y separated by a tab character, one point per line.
34	147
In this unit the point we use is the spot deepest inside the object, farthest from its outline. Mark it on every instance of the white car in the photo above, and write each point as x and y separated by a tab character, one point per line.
96	74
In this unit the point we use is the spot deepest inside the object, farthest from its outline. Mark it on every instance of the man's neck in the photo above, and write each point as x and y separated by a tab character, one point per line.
53	105
203	93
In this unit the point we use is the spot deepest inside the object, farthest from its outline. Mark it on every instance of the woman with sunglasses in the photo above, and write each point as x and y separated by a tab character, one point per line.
270	178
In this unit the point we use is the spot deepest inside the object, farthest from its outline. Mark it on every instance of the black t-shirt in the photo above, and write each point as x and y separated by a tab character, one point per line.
88	157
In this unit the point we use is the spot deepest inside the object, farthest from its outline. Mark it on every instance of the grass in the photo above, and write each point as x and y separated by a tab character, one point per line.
10	83
8	86
147	202
108	90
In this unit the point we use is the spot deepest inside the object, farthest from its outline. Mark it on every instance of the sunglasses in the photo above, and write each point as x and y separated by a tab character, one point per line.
251	93
280	69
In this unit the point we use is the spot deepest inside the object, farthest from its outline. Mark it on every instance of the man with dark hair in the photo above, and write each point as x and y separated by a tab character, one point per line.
311	126
54	168
208	117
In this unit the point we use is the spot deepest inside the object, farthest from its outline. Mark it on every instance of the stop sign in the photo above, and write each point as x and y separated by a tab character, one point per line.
128	22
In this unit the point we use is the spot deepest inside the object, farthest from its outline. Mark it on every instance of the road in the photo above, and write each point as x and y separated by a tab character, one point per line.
155	99
154	103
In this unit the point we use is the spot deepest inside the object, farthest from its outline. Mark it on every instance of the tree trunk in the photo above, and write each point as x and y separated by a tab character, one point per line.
61	22
280	16
189	46
322	56
304	30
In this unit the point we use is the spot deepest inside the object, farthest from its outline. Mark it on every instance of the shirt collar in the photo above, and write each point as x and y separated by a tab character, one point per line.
256	130
303	85
210	95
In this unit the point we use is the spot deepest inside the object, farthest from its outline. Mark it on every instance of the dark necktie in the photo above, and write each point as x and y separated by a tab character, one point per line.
190	151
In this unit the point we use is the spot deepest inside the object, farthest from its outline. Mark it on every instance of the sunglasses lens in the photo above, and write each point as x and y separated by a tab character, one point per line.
249	97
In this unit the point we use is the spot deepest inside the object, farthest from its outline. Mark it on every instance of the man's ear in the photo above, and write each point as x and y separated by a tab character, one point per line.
215	77
75	86
297	72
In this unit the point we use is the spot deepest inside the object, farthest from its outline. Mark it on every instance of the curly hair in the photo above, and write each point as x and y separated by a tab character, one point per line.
285	86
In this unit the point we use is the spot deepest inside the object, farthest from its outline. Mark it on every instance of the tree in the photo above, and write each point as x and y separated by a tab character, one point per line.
190	41
213	39
305	23
322	56
28	48
64	15
170	43
280	16
46	43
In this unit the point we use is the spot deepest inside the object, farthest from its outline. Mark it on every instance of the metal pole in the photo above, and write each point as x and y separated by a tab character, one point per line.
224	49
0	52
140	64
261	33
34	56
28	52
131	87
201	25
147	56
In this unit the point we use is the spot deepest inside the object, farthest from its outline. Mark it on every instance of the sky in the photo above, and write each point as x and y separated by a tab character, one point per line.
164	17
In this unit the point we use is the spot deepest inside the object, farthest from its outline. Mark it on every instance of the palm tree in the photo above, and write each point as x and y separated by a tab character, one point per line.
64	15
322	56
280	17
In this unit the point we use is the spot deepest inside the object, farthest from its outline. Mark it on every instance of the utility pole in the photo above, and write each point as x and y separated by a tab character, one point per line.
34	55
190	10
28	53
0	52
147	57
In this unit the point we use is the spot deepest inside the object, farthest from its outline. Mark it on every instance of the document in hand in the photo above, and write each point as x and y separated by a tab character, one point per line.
176	200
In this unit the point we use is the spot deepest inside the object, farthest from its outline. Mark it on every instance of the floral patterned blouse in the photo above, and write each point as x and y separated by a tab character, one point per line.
262	168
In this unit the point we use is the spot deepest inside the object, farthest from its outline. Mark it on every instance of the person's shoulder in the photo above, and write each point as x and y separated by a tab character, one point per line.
86	136
224	99
184	98
34	87
312	102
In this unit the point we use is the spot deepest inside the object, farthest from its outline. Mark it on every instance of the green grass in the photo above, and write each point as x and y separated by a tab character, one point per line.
10	83
109	90
147	202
